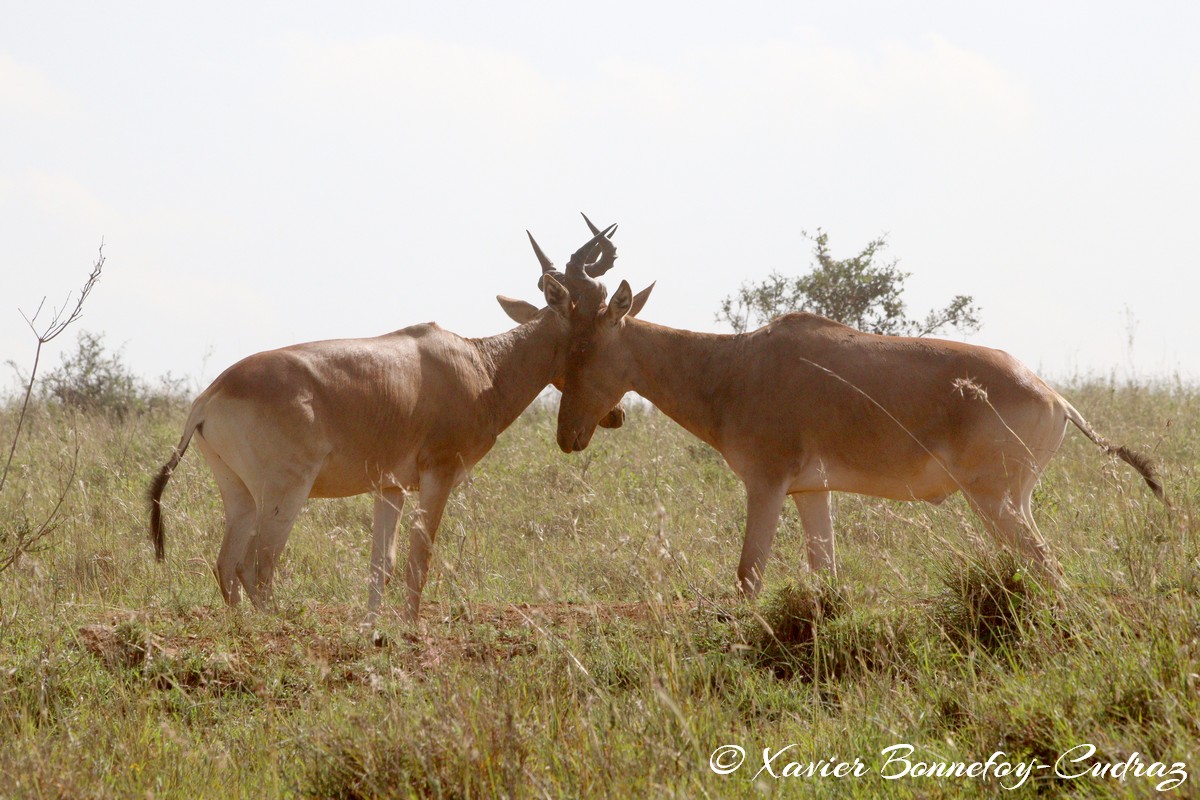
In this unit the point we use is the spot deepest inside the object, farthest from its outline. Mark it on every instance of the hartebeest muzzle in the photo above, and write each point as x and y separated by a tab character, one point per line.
573	440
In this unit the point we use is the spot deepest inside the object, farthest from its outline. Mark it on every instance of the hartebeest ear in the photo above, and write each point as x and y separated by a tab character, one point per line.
620	304
520	311
557	296
640	299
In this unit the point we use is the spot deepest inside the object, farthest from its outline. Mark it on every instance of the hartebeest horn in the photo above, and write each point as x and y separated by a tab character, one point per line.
578	267
543	259
592	227
608	257
547	264
602	265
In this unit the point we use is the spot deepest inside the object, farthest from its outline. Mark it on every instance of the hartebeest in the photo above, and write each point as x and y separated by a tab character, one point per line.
409	410
805	406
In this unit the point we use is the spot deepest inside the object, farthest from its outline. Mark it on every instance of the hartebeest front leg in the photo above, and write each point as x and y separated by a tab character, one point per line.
435	489
817	518
764	502
388	503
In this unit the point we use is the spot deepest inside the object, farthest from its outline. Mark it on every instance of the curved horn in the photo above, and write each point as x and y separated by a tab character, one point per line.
609	231
547	264
608	253
608	256
575	266
593	228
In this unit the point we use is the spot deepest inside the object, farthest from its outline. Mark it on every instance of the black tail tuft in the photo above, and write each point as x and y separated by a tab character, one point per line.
1145	467
155	497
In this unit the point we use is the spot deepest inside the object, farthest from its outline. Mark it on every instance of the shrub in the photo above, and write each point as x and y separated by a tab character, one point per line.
855	291
94	380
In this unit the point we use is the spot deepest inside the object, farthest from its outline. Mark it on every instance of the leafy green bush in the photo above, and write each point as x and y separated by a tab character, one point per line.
96	381
856	291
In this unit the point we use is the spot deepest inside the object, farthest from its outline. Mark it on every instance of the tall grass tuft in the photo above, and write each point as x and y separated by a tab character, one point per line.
809	630
988	599
432	756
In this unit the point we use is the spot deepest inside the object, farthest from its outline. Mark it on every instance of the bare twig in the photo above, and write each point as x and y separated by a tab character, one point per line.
58	323
28	537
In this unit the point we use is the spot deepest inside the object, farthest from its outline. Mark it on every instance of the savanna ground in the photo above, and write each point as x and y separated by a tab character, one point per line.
580	637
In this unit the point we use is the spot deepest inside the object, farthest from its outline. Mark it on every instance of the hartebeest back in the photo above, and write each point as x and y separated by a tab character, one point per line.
410	410
805	406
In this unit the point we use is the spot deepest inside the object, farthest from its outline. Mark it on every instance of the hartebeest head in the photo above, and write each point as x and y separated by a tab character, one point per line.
597	369
574	292
583	268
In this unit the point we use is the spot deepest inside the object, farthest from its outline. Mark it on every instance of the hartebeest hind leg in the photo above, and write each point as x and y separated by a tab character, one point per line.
239	531
240	515
1007	513
764	502
277	512
817	518
435	490
388	503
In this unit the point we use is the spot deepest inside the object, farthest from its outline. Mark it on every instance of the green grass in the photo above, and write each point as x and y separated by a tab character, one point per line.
580	634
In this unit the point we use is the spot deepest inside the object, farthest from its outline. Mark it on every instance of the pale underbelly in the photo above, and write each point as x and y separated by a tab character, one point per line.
929	481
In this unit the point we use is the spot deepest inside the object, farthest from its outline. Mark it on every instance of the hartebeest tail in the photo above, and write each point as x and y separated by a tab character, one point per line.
160	482
1141	463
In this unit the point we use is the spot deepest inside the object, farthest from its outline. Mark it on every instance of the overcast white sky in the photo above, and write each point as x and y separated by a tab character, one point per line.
269	173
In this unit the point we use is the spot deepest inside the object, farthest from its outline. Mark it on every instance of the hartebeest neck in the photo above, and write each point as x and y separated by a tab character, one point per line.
520	363
682	372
